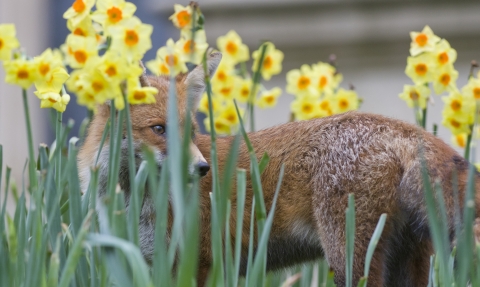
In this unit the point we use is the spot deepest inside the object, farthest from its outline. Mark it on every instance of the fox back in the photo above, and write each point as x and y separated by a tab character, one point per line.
374	157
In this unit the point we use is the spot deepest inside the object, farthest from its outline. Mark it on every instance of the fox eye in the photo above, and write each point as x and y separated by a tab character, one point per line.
158	129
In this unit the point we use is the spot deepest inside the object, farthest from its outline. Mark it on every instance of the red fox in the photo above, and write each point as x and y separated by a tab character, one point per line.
374	157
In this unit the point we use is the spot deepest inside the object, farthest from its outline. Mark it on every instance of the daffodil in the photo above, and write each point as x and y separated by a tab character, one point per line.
460	107
301	82
460	140
269	98
53	100
132	38
54	82
74	84
326	106
84	28
344	101
457	125
472	89
112	12
444	54
232	47
192	49
421	68
169	61
20	72
415	95
229	114
242	89
87	100
445	79
423	41
272	61
80	50
305	108
224	74
46	64
116	68
136	94
224	90
221	125
325	77
95	83
183	17
78	11
8	41
203	105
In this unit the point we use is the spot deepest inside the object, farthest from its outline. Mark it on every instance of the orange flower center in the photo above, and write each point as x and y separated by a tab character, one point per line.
221	76
454	123
220	126
245	92
443	58
323	82
183	18
79	32
139	95
131	38
52	100
231	48
1	44
187	47
414	96
476	93
303	82
270	99
111	71
421	69
445	79
231	118
460	140
171	60
78	6
97	86
225	91
43	69
164	69
456	105
114	15
343	104
324	105
267	63
22	74
90	97
80	56
421	39
307	108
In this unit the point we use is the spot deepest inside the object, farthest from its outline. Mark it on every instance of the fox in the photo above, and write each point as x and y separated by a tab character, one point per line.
374	157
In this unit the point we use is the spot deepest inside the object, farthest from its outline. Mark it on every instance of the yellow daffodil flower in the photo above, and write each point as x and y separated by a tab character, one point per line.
80	50
84	28
423	41
78	11
326	106
46	63
229	113
272	61
116	68
53	100
456	125
415	95
203	105
242	89
305	108
74	84
301	82
459	107
460	140
54	82
87	100
20	72
8	41
421	68
224	74
472	89
224	90
112	12
94	82
344	101
192	54
221	125
444	54
132	38
183	17
136	94
169	61
445	79
232	47
325	77
269	98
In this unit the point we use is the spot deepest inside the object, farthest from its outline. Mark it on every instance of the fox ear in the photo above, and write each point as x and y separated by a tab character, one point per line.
143	77
195	80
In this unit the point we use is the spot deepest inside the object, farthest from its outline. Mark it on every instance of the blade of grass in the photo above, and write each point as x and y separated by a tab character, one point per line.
350	240
372	245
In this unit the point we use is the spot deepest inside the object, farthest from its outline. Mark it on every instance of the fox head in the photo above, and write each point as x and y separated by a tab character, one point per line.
149	125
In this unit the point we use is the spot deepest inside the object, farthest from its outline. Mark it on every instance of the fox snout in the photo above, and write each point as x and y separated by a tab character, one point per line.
202	167
199	163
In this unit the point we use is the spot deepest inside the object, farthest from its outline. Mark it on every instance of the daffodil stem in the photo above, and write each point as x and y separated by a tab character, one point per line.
467	146
58	145
424	118
31	154
256	81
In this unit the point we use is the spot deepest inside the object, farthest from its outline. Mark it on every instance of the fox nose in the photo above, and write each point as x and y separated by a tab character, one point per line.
203	168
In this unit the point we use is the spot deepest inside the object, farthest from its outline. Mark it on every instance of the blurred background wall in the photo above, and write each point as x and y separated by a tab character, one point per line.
370	39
